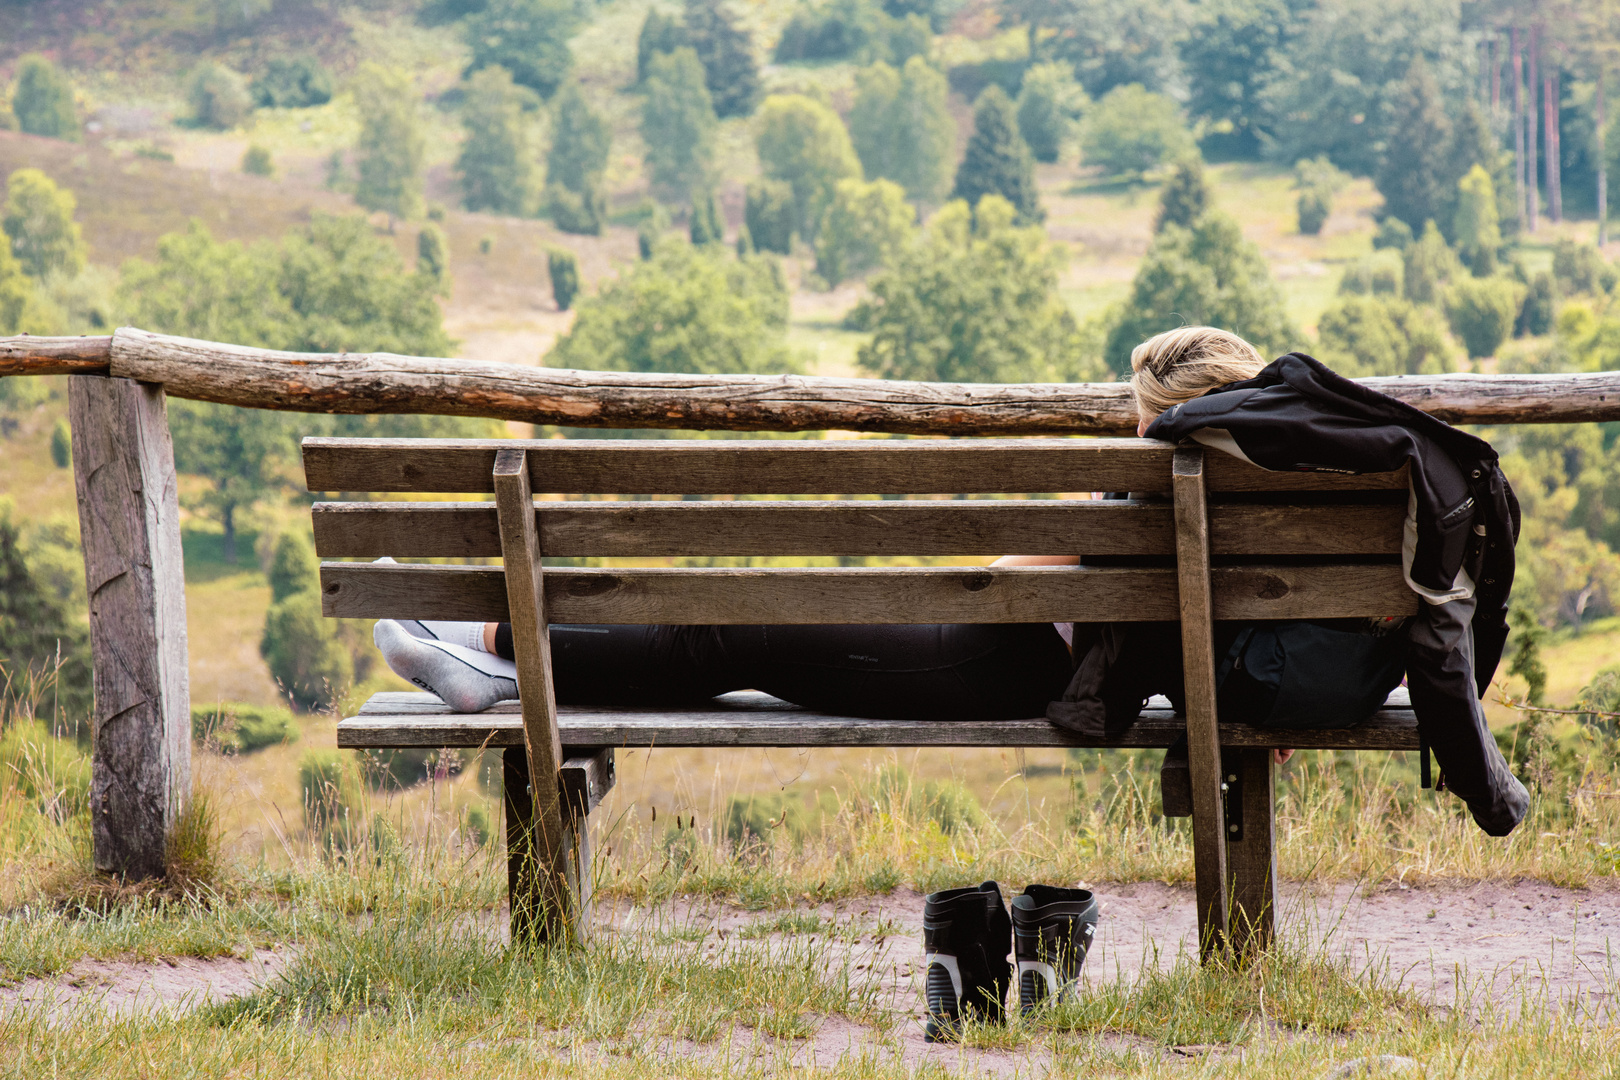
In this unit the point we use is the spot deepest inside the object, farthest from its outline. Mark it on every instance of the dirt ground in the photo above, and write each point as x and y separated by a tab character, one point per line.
1488	948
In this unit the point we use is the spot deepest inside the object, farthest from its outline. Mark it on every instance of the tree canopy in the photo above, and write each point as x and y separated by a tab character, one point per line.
902	128
391	142
678	124
803	143
529	38
39	222
496	163
998	161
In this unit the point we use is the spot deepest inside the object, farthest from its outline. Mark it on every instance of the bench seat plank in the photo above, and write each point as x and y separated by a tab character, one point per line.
865	595
747	718
799	467
850	527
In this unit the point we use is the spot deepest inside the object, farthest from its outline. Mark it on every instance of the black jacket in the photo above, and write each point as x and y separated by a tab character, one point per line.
1462	524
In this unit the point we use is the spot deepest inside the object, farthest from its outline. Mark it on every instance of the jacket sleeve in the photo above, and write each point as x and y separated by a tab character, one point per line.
1440	674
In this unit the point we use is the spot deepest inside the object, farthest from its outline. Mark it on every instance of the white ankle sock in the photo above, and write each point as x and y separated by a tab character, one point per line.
468	635
467	680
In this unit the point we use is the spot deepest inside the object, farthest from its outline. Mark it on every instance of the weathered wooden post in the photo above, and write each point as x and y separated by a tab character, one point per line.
129	524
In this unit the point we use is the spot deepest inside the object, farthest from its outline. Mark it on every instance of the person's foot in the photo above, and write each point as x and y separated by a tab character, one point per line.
464	679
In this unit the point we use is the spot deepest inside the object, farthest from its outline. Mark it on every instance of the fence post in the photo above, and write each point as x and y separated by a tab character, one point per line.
129	526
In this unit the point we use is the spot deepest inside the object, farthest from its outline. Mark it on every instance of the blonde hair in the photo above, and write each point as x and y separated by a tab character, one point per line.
1179	365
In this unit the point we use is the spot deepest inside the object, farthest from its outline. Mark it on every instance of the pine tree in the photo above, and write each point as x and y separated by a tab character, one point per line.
391	142
1184	197
433	257
803	142
496	162
563	268
529	38
659	34
768	215
43	100
39	222
580	141
678	123
727	54
1475	225
705	225
1411	177
998	161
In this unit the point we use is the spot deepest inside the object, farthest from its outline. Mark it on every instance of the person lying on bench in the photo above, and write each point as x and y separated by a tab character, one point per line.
1195	382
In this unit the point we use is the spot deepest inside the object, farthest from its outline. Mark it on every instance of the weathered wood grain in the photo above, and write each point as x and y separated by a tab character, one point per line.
743	719
129	525
1251	858
28	355
1002	594
1197	612
585	779
774	467
382	383
555	906
855	527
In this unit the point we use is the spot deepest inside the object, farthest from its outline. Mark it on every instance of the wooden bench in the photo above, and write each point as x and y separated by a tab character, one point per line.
1242	548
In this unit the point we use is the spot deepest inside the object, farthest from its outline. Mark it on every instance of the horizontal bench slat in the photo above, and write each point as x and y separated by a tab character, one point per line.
808	467
751	719
817	596
854	527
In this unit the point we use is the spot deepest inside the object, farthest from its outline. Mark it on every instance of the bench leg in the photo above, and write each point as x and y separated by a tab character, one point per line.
524	885
1251	853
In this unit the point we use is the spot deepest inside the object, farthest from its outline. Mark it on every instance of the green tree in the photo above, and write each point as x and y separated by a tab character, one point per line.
496	163
215	290
244	454
256	161
293	566
974	301
433	257
305	653
769	215
1580	269
43	100
678	123
39	221
1524	659
391	142
684	310
704	224
1540	306
1229	58
1109	43
563	268
581	139
1184	197
727	55
16	302
1383	335
218	98
660	33
998	162
1050	104
1206	275
1482	311
902	129
1131	131
1475	224
41	614
297	82
1411	177
1317	180
529	38
1429	263
61	444
867	227
804	143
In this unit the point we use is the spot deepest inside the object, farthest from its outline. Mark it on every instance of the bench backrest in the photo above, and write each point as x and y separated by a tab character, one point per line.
1336	559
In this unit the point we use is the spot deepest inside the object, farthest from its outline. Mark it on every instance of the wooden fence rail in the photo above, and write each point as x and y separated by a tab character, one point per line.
128	513
384	383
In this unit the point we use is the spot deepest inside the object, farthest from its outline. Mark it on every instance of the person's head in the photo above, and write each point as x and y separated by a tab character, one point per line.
1179	365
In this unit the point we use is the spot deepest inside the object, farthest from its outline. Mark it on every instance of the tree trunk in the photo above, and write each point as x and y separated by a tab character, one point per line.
1531	180
1518	128
1496	75
1549	105
229	518
1602	160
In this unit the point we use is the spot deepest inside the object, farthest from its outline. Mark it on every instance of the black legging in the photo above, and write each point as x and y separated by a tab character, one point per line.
969	671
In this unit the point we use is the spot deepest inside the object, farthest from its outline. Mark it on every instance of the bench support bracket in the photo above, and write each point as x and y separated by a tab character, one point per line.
1251	853
1198	664
546	901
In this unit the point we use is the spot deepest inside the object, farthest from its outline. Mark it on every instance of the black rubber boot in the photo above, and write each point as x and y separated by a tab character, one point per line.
1052	932
967	936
